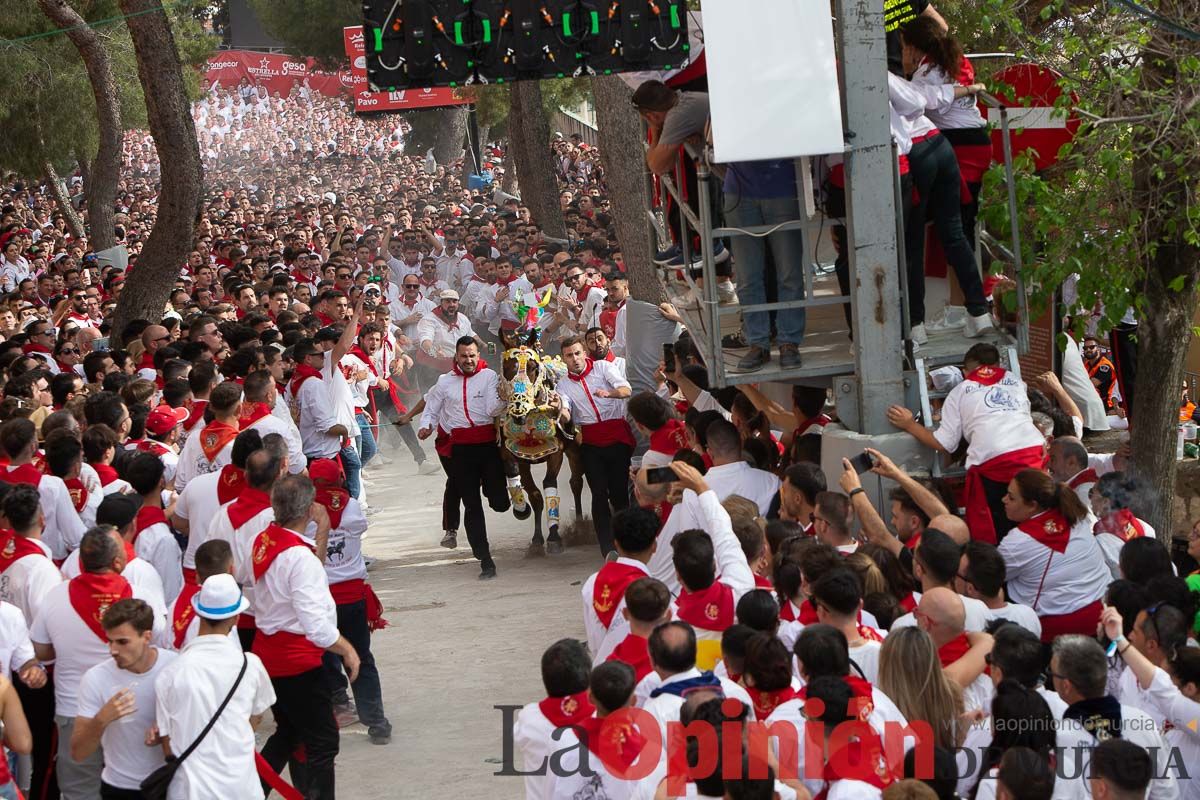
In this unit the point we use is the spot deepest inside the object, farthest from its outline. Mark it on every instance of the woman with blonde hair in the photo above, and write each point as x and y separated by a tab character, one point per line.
911	675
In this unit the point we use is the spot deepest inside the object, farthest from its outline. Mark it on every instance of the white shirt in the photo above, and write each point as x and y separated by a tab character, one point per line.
16	649
665	707
343	555
274	423
127	759
91	482
339	393
76	646
568	782
359	389
241	542
28	580
685	516
63	529
618	341
158	547
192	461
978	615
532	734
1075	746
1024	616
198	504
1072	580
442	335
942	109
586	407
597	633
293	596
993	419
317	417
745	481
188	694
400	309
866	656
463	401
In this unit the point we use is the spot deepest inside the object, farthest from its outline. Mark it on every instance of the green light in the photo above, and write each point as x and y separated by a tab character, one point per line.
567	25
675	17
487	29
458	32
595	23
378	39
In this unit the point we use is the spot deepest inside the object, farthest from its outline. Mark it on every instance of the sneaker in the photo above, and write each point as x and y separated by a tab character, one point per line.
667	256
379	735
346	715
450	540
726	293
381	459
978	325
733	340
369	562
756	359
720	252
918	334
488	570
789	356
428	467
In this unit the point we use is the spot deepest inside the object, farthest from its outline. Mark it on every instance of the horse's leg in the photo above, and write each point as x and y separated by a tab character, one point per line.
575	461
550	488
535	499
520	507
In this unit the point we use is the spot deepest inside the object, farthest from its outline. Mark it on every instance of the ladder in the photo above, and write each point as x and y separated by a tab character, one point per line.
1007	354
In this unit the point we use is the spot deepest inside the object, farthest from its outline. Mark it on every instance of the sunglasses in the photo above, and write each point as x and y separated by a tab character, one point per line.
412	286
68	351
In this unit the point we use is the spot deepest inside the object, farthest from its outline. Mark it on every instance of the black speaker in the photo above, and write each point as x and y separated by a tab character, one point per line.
426	43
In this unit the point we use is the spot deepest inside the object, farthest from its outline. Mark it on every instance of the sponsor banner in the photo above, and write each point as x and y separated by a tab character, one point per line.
278	73
399	100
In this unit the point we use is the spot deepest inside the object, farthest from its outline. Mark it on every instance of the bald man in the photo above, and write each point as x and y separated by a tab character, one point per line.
942	615
1069	465
154	338
954	527
936	566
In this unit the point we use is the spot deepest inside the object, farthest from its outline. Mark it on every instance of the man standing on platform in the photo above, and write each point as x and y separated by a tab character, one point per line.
465	402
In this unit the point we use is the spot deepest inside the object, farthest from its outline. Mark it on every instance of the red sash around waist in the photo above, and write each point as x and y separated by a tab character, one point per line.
476	434
285	654
608	432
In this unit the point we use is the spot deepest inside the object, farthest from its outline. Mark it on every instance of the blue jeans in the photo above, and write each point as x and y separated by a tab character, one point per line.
750	261
366	442
368	695
352	466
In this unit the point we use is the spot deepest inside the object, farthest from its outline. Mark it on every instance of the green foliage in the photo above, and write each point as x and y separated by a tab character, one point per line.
47	109
311	28
492	102
1117	194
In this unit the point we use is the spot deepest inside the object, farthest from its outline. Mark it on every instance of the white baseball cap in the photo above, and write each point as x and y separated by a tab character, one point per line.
219	598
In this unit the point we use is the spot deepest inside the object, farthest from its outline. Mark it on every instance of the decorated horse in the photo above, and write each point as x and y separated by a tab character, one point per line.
531	430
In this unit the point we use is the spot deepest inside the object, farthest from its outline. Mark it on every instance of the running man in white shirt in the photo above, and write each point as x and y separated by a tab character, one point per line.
465	402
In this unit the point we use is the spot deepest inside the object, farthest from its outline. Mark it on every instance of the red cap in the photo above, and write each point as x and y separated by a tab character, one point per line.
325	470
163	419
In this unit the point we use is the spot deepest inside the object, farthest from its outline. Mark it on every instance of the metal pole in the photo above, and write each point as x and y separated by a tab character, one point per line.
716	365
1015	224
870	214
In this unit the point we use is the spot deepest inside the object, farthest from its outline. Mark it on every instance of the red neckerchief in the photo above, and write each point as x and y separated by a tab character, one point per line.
862	759
1086	476
1122	524
615	740
909	603
183	612
78	492
105	473
91	594
670	438
1050	528
766	702
324	319
819	421
987	375
953	650
302	373
505	281
863	703
215	436
13	548
710	609
913	542
249	504
634	651
67	368
147	361
869	633
610	357
334	499
36	348
26	473
270	543
362	356
451	325
587	368
611	582
566	711
197	414
147	516
763	582
808	613
230	484
153	447
787	612
252	413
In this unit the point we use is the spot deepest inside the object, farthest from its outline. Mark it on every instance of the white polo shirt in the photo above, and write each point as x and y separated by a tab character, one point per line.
994	419
27	581
127	759
193	463
198	504
188	693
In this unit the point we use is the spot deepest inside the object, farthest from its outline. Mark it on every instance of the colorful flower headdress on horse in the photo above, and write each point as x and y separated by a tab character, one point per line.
529	317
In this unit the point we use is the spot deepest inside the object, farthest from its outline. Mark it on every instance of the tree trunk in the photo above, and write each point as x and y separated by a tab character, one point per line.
1161	187
620	142
529	141
74	223
101	186
442	129
170	118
